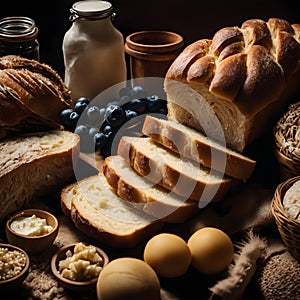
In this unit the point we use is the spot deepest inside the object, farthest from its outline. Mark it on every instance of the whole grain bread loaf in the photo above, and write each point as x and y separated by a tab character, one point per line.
34	165
234	86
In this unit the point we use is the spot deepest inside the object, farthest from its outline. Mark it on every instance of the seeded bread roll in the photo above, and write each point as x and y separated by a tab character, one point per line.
168	169
234	86
34	165
143	194
193	144
32	95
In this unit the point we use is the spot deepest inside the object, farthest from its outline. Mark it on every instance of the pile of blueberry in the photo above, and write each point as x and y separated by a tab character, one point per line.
99	126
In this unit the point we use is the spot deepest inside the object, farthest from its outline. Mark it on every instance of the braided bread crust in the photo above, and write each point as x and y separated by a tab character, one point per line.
245	76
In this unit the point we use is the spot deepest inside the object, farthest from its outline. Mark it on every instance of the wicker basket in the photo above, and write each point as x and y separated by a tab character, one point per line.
287	142
288	227
287	167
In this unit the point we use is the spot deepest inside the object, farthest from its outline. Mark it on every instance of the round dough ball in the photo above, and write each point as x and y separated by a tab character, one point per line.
212	250
168	254
128	278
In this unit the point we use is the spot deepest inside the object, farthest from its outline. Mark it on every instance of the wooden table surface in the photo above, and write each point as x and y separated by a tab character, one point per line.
40	283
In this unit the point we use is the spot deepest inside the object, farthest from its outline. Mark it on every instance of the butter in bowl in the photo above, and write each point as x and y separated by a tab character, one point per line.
33	230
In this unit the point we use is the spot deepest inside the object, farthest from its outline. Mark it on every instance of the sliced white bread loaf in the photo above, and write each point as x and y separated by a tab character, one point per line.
34	165
100	213
175	173
143	194
192	144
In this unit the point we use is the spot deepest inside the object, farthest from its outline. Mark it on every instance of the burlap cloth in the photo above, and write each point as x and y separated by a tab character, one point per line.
275	279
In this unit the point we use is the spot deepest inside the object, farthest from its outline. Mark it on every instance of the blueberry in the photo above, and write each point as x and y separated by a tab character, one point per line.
99	140
163	111
73	119
153	103
115	115
102	112
114	102
138	92
105	151
65	116
130	114
80	107
81	130
109	135
124	101
93	114
125	91
93	131
137	105
106	128
84	100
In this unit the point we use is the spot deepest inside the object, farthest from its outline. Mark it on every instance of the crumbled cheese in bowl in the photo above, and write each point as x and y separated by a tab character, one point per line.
83	264
12	262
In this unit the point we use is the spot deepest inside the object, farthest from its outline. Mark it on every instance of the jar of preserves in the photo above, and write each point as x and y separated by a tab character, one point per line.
93	50
18	36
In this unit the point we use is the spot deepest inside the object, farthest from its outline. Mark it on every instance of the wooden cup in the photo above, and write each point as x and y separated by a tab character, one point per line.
151	53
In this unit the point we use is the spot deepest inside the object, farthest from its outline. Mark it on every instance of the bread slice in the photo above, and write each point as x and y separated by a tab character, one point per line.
141	193
34	165
192	144
100	213
177	174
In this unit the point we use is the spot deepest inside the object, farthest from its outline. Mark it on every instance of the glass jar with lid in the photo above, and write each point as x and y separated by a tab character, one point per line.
18	36
93	50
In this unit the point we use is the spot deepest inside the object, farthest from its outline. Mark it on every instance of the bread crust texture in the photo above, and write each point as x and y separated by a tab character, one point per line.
142	194
180	176
97	211
246	74
32	96
41	167
194	145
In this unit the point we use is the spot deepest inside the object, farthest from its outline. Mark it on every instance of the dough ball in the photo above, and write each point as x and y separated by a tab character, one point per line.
128	278
212	250
168	254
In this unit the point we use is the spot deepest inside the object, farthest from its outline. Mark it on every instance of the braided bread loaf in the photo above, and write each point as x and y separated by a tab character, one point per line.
234	86
32	95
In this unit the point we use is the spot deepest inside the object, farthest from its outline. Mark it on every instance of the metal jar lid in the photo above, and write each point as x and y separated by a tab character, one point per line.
91	10
17	28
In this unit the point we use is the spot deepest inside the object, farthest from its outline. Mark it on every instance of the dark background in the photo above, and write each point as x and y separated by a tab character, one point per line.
193	19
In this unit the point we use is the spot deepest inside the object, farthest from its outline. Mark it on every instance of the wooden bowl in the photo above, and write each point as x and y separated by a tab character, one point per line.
15	281
32	244
75	286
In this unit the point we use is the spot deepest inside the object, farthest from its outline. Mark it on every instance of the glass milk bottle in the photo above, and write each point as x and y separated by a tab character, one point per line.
93	50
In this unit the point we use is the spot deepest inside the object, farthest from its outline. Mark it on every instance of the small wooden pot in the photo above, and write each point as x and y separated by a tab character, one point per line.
152	52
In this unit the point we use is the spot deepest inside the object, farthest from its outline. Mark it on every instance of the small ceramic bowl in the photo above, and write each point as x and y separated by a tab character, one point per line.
14	282
72	285
32	244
